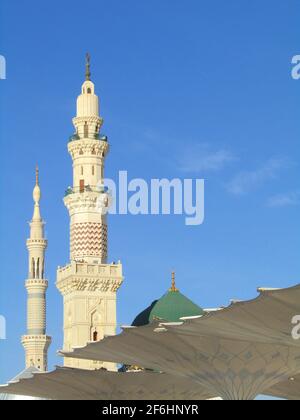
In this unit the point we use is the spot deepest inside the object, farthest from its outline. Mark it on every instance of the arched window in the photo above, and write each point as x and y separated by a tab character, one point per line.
93	170
43	269
81	170
86	130
89	90
38	269
81	186
95	336
32	268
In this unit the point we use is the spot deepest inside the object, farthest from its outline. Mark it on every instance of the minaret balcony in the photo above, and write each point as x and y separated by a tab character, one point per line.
95	136
86	188
74	137
37	243
36	284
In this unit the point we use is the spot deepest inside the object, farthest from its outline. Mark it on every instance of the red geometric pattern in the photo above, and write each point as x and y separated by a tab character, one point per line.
88	239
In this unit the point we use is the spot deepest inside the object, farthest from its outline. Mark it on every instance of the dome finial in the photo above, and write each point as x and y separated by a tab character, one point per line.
88	67
173	287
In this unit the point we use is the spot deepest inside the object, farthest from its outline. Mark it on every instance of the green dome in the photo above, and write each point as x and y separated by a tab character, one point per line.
170	307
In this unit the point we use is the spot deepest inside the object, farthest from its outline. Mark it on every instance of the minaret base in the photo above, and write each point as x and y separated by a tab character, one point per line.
36	348
90	294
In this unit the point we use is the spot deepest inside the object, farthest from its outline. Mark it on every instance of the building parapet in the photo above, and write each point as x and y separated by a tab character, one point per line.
89	277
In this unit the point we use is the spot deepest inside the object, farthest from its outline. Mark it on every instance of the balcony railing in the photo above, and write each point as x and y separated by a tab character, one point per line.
95	136
86	188
74	137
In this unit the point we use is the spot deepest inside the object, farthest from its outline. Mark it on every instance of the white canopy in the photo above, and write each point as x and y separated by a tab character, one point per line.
77	384
27	373
236	353
289	390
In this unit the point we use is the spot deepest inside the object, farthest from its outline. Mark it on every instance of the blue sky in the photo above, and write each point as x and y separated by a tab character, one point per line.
188	89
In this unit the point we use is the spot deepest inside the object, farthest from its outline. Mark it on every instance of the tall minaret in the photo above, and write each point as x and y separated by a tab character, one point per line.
88	284
36	342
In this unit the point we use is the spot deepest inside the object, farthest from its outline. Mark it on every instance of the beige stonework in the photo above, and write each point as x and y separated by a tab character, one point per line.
88	284
36	342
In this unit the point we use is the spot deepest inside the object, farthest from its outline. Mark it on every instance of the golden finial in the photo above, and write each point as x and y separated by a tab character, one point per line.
173	288
88	67
37	175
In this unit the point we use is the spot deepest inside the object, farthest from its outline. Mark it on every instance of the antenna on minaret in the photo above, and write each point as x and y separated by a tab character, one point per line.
88	67
37	175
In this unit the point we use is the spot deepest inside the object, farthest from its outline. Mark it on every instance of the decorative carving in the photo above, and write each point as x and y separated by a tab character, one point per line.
70	281
89	239
88	147
85	201
90	120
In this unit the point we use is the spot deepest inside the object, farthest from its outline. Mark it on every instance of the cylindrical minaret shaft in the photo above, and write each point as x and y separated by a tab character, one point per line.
88	149
36	342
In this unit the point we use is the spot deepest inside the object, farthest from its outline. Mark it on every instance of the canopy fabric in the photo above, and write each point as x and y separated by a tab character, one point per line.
77	384
27	373
288	390
236	353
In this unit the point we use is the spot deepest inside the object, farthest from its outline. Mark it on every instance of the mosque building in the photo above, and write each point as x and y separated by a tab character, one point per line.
88	284
236	352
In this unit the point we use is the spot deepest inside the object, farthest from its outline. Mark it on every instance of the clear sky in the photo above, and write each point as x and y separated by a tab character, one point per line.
199	89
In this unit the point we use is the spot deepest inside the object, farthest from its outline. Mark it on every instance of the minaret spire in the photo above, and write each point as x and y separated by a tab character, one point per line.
36	342
36	199
88	67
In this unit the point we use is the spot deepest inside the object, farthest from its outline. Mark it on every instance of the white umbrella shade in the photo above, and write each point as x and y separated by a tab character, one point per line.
78	384
236	353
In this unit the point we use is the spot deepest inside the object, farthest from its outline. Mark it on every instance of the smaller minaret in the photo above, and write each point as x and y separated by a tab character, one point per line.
36	342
